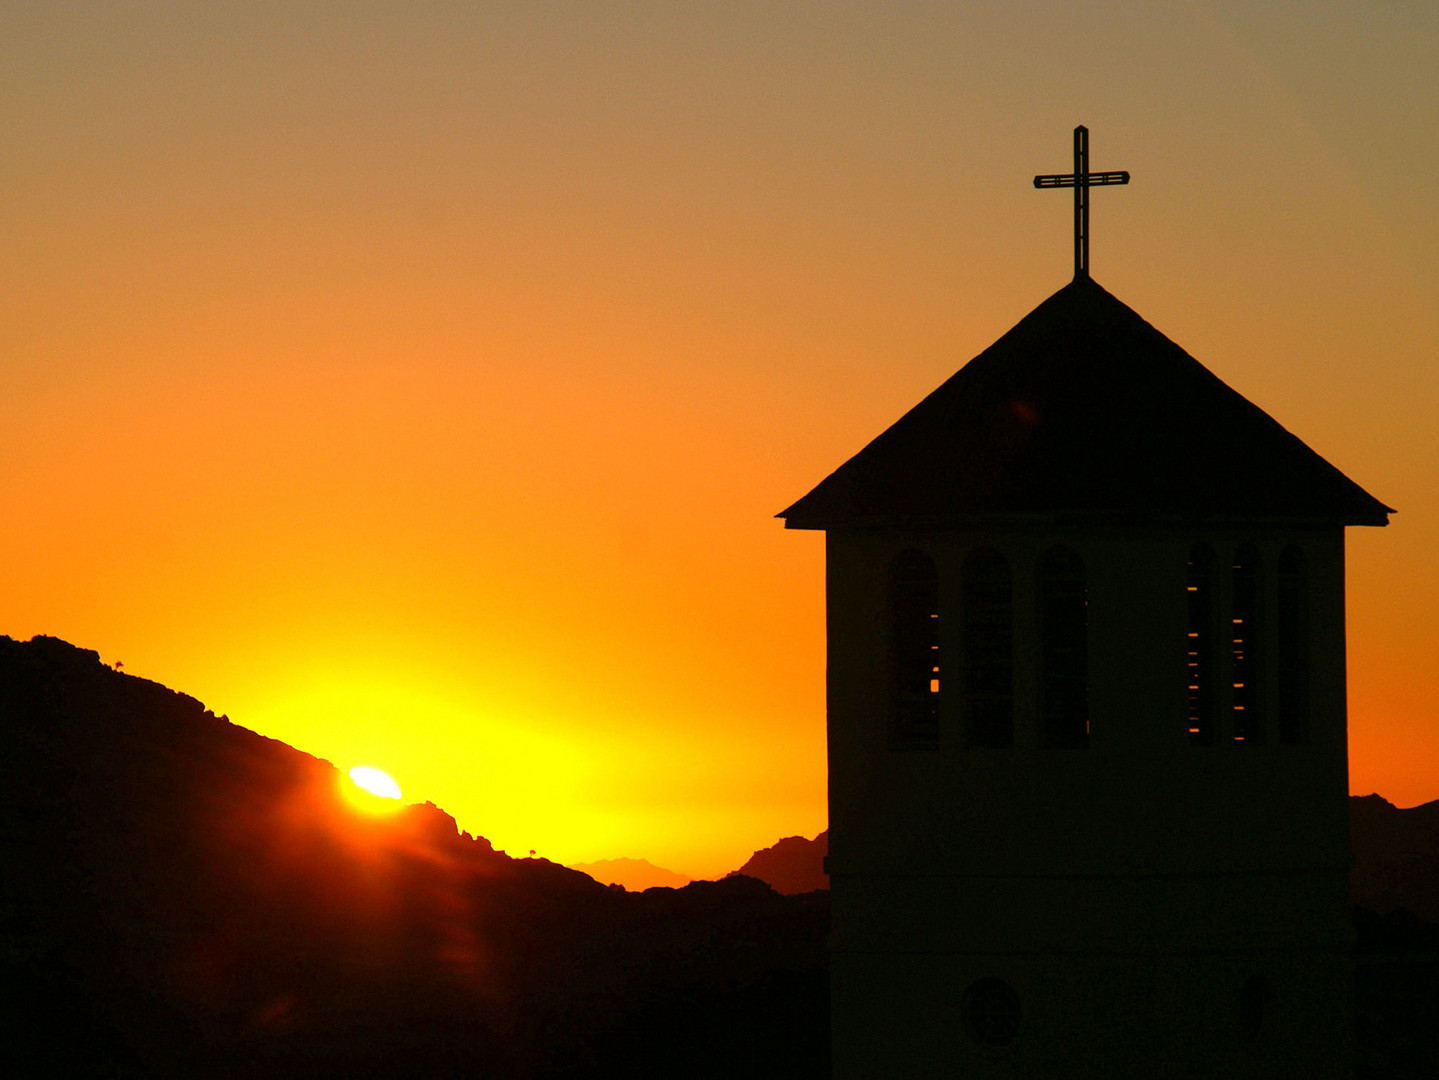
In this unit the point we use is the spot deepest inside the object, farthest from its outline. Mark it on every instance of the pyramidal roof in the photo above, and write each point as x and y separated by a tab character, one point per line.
1085	410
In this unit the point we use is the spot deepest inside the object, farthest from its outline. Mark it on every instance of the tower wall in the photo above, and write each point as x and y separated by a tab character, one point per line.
1157	907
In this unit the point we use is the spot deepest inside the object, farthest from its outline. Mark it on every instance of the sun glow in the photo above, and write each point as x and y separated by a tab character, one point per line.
372	790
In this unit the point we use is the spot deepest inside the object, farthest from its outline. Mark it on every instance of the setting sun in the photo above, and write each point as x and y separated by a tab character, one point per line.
374	782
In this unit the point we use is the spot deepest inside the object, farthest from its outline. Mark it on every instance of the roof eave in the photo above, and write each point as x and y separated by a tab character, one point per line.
1010	519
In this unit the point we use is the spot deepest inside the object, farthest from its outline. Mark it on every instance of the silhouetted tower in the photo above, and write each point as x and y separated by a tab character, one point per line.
1087	737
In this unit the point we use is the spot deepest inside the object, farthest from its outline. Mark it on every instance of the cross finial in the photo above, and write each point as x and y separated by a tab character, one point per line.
1081	180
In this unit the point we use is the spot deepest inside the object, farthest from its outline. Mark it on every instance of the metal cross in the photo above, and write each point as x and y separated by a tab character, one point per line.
1081	180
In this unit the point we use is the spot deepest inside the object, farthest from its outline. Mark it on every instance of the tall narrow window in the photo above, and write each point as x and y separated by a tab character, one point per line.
1064	648
915	608
988	660
1199	658
1293	647
1244	645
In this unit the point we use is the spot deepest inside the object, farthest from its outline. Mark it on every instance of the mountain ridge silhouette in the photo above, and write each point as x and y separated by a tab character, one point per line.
185	897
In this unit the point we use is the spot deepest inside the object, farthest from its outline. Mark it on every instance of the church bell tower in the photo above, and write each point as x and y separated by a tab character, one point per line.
1087	737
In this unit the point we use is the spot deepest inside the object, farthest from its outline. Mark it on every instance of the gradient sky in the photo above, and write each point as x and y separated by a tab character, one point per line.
417	383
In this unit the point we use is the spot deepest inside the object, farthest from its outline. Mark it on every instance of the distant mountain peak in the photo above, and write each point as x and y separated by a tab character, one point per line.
791	866
636	875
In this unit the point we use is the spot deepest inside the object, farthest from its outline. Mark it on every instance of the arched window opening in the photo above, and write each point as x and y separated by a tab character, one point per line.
1064	648
988	650
1293	647
1199	657
1244	645
915	609
1255	1007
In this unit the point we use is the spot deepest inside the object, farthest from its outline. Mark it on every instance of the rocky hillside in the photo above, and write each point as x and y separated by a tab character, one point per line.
183	897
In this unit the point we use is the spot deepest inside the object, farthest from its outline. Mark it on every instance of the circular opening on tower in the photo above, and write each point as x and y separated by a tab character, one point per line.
991	1011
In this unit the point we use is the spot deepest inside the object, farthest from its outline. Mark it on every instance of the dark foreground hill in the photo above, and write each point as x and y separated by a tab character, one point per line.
183	897
1396	856
1395	886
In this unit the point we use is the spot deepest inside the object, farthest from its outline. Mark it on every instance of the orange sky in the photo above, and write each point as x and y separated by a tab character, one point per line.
417	382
